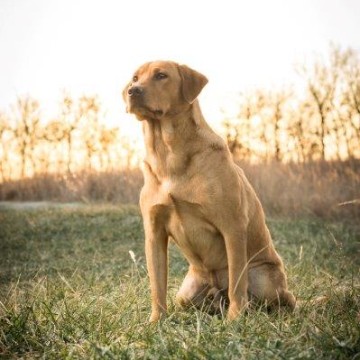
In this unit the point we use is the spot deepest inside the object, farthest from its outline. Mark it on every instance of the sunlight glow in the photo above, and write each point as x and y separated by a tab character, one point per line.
93	47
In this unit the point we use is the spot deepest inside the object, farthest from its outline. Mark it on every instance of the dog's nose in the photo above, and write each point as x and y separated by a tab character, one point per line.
135	90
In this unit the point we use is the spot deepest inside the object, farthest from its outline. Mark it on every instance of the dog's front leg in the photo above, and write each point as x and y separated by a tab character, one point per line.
236	249
156	244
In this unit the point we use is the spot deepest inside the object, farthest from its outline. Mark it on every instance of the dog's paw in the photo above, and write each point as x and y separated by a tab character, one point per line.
235	309
156	316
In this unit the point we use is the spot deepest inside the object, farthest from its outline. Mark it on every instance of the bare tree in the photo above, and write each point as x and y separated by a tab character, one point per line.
333	85
56	133
27	130
4	160
321	84
260	125
348	62
276	118
107	138
70	118
242	130
89	113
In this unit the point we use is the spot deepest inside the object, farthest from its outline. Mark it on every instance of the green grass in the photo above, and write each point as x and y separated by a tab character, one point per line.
70	289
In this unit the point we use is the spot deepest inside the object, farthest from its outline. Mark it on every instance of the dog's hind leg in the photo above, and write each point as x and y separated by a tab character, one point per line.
193	290
267	284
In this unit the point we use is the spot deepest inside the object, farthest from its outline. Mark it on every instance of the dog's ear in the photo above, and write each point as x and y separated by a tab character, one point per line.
192	83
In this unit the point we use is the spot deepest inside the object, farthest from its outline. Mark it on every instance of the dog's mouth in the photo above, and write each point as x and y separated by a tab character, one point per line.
158	112
143	111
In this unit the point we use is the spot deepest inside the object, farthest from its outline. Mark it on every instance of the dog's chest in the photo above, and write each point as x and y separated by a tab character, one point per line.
189	226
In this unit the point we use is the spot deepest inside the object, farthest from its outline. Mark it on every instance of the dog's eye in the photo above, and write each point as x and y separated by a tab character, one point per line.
160	76
135	78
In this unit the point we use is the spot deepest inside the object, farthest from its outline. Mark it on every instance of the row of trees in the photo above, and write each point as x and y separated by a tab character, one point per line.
321	120
78	139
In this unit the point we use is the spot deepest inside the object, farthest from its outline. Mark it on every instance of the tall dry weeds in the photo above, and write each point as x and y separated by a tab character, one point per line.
321	189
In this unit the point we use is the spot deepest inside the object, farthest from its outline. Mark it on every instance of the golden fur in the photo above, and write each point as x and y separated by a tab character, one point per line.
195	195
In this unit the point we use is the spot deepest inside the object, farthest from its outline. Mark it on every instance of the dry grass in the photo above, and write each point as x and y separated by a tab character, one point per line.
321	189
116	186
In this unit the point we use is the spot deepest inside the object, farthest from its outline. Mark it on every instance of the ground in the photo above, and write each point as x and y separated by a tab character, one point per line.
73	284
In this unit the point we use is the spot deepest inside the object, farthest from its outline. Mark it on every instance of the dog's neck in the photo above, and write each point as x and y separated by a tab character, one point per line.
171	141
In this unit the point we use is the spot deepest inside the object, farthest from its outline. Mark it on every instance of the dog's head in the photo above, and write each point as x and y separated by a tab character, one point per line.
162	88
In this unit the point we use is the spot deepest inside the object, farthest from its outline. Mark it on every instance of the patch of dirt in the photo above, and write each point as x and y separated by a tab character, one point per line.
34	205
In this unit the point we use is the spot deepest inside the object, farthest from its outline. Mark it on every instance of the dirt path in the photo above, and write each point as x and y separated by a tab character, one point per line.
34	205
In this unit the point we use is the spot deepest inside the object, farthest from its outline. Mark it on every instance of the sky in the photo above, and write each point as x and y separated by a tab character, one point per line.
93	46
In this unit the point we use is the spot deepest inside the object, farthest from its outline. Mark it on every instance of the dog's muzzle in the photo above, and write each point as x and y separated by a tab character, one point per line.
137	101
135	91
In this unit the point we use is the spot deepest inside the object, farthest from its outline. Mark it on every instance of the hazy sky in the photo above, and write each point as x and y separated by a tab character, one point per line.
87	47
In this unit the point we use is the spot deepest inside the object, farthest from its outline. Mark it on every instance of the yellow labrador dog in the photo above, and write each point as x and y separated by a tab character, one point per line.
196	196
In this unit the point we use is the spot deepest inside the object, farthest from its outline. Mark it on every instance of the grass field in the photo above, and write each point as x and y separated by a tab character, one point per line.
69	288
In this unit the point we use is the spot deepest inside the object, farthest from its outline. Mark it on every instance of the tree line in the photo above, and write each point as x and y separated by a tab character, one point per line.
77	139
319	121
